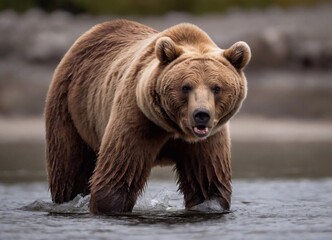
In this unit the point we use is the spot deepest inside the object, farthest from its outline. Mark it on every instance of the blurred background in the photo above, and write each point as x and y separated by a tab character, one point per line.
284	129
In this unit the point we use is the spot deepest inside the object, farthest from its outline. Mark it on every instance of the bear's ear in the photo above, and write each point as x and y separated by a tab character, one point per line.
238	55
167	50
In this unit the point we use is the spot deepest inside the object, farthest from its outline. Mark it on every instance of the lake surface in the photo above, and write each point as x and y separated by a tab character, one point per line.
261	209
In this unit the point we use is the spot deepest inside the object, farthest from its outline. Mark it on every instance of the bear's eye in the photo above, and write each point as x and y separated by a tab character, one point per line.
216	89
186	89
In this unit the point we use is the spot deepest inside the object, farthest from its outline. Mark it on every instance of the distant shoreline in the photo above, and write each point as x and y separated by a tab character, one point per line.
261	148
245	128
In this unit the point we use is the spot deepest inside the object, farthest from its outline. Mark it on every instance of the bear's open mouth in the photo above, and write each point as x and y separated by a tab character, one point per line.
201	131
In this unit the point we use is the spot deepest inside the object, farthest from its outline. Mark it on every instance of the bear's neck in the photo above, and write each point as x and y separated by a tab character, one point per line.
148	99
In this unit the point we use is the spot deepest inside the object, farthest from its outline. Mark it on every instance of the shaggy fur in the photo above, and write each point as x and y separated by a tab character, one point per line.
123	99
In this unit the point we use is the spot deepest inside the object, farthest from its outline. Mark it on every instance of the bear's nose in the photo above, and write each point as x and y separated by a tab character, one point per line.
201	116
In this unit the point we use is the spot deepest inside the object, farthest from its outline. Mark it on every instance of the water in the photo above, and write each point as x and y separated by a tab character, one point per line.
262	209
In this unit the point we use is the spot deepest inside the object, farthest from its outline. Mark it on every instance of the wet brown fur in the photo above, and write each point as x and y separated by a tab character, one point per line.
113	111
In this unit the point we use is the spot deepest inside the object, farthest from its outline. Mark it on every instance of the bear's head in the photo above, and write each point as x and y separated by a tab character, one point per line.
192	87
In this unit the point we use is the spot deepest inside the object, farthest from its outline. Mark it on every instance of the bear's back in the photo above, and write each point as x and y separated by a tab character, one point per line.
122	31
110	37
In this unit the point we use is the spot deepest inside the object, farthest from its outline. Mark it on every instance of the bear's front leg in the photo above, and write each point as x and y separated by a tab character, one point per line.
126	157
204	172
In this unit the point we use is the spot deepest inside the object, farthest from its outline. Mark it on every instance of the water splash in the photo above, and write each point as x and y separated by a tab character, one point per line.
209	206
79	205
164	201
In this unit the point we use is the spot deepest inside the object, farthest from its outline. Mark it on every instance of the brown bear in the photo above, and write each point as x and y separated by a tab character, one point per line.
126	98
